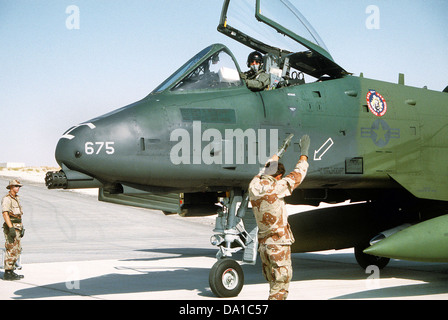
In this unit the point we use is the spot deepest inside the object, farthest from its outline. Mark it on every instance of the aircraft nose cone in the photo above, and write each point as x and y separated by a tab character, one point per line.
71	145
65	152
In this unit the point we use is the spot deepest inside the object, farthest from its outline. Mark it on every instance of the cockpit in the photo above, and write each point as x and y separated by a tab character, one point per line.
282	33
290	46
215	68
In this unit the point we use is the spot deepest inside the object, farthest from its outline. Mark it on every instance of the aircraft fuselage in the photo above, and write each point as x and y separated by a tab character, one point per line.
218	139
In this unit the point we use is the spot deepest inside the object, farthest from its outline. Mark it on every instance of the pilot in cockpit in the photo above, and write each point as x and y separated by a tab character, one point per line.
256	78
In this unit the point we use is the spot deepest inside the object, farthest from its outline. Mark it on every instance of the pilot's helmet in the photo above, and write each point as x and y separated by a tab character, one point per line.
254	56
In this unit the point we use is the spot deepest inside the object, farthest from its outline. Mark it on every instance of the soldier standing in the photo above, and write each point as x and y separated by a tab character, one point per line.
12	229
267	193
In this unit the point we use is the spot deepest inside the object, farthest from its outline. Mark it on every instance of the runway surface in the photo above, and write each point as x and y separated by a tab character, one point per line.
76	247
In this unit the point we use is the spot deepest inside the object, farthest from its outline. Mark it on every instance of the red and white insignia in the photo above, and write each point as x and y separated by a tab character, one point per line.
377	104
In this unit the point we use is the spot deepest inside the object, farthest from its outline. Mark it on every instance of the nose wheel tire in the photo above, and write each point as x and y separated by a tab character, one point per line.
226	278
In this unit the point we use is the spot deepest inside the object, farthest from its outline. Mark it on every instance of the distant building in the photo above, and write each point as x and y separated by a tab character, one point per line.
12	165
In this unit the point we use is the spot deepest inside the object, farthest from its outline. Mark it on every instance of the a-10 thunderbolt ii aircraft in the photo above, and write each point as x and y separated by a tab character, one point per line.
200	137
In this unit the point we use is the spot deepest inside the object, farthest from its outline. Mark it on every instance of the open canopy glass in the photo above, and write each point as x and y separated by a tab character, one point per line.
279	29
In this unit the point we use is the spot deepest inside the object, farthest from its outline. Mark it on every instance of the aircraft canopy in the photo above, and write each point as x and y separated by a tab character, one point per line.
279	29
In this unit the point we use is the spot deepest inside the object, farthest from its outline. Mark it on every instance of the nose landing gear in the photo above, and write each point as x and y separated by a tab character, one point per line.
236	230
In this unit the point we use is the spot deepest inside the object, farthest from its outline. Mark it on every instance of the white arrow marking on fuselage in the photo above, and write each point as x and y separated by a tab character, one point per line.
328	144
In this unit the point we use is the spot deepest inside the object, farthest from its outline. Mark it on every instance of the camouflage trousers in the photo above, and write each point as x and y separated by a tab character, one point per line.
277	269
13	247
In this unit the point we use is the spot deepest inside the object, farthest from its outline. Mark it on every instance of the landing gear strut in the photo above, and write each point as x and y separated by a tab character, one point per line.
235	230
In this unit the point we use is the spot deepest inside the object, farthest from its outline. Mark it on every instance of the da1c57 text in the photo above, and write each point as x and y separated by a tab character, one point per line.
251	309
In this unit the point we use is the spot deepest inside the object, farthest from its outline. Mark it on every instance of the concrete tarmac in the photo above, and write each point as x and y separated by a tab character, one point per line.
76	247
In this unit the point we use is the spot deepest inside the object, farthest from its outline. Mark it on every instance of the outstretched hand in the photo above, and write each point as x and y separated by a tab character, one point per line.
304	145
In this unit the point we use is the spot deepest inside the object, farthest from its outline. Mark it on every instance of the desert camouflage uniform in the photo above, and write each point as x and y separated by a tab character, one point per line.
274	233
11	205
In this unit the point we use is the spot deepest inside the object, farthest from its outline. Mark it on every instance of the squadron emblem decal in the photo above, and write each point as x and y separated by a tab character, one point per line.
377	104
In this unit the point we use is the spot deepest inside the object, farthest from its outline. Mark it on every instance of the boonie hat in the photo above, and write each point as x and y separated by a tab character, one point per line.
14	183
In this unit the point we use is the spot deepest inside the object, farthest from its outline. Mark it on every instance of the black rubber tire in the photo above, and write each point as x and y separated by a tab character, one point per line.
226	278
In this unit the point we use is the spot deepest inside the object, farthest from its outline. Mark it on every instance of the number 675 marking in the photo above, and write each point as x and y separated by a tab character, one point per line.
96	147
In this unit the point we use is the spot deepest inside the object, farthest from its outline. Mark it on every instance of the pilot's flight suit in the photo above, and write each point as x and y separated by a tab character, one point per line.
274	233
256	81
13	247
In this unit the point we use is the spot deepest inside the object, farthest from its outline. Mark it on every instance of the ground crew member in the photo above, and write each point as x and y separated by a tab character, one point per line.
267	193
256	78
12	229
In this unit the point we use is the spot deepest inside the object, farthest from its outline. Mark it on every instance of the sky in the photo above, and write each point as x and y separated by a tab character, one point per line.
60	67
